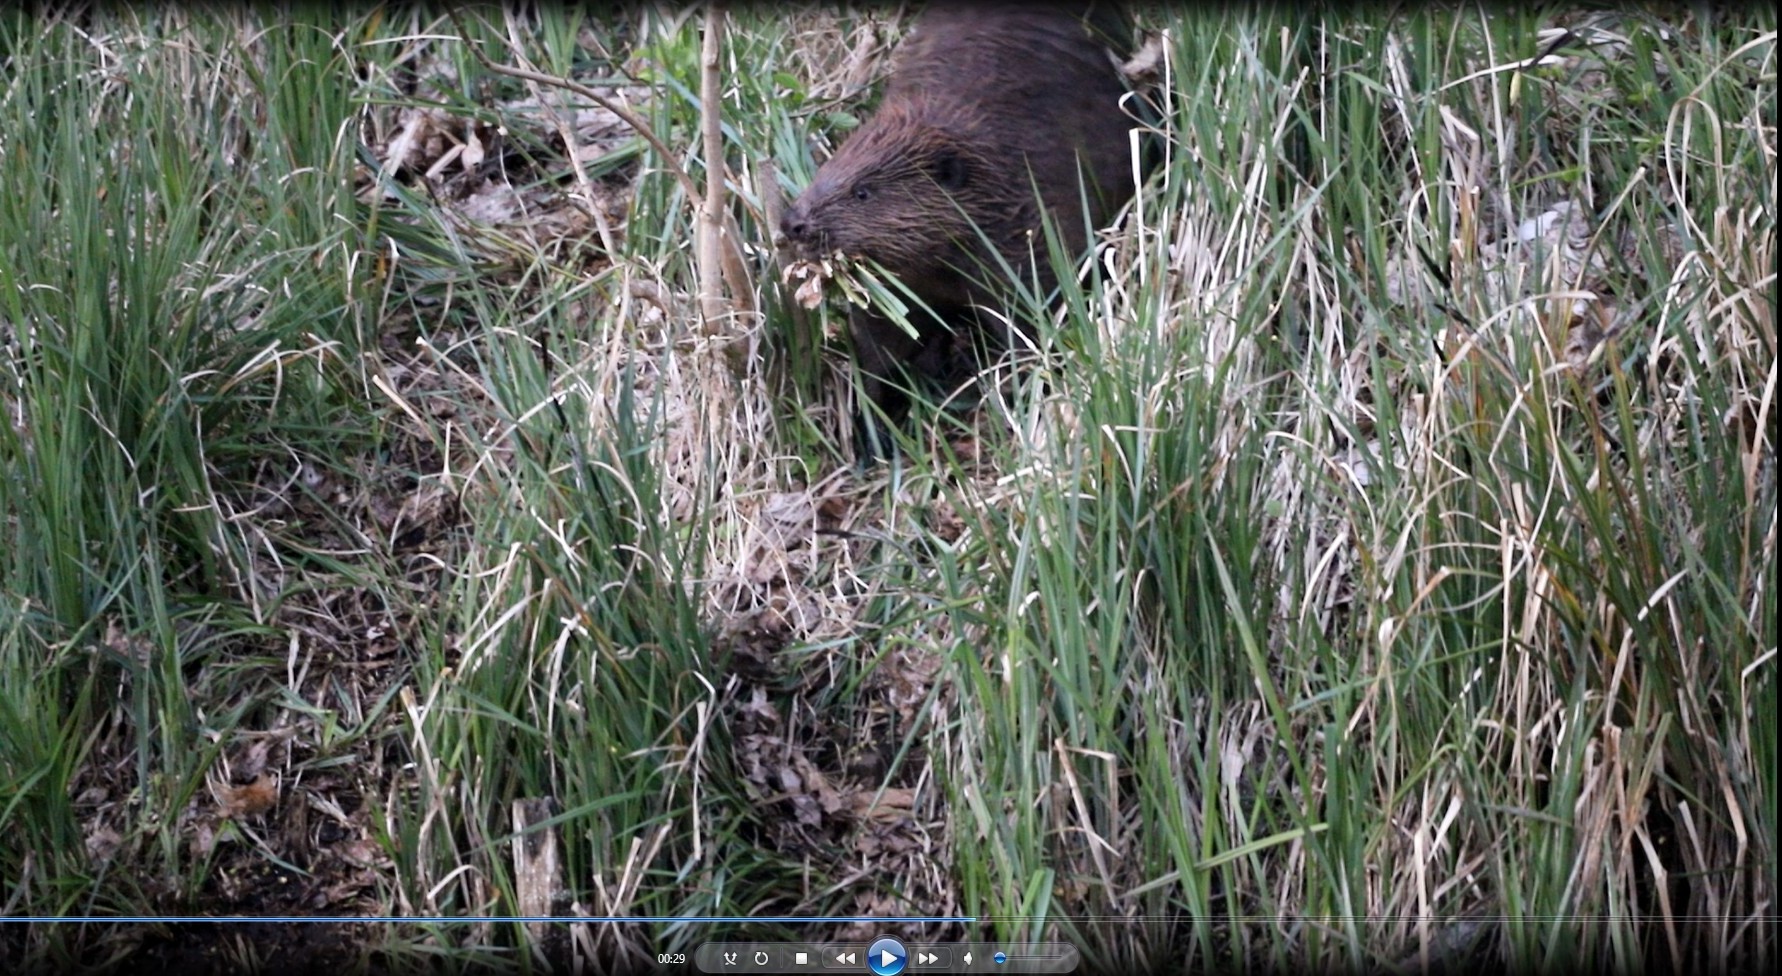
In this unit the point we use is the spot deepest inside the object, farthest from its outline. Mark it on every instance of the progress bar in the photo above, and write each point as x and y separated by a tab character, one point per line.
459	919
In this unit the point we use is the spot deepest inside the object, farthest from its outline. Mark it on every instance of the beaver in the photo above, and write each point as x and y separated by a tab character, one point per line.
995	114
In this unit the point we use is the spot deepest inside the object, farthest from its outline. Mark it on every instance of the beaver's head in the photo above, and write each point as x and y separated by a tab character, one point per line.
911	190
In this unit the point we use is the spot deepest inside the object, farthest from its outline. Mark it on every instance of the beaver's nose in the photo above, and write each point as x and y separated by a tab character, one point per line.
804	235
796	224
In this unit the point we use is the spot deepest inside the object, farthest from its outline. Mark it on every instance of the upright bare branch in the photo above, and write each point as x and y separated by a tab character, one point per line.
713	305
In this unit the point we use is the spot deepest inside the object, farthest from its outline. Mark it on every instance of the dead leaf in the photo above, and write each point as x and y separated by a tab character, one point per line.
814	274
248	801
892	805
102	843
1145	67
253	761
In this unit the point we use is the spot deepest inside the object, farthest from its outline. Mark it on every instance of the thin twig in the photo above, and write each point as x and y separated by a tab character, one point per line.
625	115
729	256
566	132
773	207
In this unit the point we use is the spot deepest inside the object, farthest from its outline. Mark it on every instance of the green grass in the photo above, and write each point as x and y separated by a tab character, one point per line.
179	309
1320	592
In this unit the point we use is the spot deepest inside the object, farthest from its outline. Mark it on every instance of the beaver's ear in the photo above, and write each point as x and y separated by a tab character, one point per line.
948	170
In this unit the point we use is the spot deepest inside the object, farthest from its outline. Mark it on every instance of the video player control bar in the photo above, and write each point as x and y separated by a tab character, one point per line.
886	957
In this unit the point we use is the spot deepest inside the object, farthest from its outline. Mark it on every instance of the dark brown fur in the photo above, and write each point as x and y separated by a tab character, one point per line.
993	112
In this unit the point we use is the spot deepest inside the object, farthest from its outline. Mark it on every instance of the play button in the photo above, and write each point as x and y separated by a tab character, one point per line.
886	957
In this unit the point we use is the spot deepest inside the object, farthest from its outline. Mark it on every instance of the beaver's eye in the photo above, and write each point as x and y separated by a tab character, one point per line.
863	192
949	171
